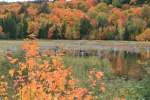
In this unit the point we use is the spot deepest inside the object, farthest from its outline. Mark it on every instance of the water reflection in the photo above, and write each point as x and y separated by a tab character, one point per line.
135	65
127	62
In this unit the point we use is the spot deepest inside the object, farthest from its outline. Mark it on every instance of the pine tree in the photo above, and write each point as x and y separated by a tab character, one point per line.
10	27
43	32
85	27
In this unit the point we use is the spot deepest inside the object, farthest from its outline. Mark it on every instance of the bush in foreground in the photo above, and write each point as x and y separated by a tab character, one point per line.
43	76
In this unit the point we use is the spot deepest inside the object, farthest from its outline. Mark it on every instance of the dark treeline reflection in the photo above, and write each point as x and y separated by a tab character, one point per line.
124	64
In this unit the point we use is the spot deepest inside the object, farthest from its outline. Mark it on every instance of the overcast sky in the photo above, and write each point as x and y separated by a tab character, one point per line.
14	0
22	0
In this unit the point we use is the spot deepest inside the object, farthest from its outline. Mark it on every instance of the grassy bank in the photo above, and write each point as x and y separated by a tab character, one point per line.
131	89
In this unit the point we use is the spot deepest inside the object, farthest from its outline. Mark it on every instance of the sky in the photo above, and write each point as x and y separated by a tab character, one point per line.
14	0
22	0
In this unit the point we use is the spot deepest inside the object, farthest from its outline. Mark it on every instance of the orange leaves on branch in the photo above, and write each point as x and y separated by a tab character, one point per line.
145	36
74	2
57	62
3	88
55	19
62	1
117	98
95	78
137	11
44	77
91	3
71	16
11	72
32	10
99	75
93	22
121	15
31	48
33	27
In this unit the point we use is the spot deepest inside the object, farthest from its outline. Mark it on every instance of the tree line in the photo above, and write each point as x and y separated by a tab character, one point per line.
77	19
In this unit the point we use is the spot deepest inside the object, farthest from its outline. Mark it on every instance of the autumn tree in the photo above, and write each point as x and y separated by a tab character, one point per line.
102	22
81	5
145	13
133	27
145	36
57	34
33	27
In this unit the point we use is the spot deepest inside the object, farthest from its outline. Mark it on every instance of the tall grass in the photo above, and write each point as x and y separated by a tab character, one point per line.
115	86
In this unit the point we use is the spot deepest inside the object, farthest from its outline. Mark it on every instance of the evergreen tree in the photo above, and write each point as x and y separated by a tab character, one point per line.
22	29
43	32
102	22
85	27
10	27
23	8
44	8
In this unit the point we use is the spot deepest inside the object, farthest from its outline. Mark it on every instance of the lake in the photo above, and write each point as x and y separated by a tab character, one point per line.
127	58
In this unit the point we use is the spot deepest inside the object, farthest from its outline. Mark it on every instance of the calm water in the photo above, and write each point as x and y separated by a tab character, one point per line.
134	65
128	59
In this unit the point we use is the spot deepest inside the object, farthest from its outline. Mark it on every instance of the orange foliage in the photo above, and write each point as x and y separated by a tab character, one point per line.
137	11
32	11
99	75
117	98
3	88
55	19
74	2
94	78
59	15
44	77
31	48
145	36
91	3
1	29
121	15
62	1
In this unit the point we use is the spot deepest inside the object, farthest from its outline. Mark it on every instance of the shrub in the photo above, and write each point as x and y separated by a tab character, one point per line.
145	36
44	76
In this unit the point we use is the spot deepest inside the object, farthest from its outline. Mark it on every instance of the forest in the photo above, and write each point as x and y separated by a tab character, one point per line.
76	19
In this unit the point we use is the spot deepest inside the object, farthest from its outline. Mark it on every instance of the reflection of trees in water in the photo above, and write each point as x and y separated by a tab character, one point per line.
118	63
126	64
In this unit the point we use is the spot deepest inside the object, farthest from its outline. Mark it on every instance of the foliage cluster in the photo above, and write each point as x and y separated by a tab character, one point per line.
43	76
76	19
